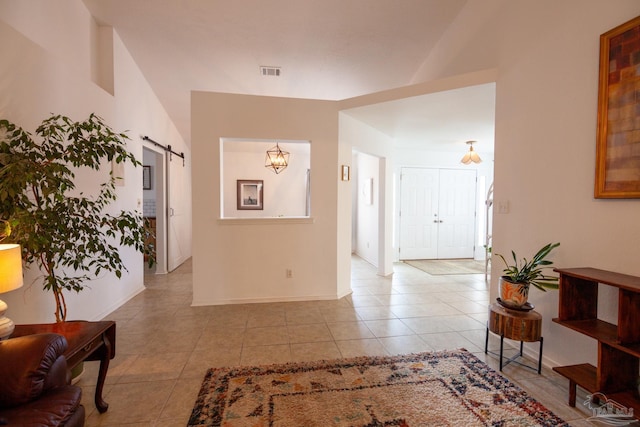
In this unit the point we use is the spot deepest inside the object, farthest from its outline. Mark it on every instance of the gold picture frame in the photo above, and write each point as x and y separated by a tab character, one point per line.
618	135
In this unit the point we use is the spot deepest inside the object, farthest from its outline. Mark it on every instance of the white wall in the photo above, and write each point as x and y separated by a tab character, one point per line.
48	49
546	55
366	185
245	259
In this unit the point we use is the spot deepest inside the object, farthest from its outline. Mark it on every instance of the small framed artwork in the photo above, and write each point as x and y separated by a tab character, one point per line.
249	194
346	173
618	136
146	177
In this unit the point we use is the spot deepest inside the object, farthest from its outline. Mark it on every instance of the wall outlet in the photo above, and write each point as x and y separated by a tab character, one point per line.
289	273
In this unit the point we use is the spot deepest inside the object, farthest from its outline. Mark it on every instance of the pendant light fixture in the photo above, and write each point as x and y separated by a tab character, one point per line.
471	156
276	159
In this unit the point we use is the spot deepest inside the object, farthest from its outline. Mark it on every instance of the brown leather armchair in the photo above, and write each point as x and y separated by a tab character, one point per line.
34	386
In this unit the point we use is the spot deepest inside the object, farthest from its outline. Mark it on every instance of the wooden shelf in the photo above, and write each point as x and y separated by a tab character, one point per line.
622	281
584	374
618	345
594	328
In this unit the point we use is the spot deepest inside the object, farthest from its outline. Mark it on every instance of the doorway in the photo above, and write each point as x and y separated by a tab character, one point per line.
154	204
437	213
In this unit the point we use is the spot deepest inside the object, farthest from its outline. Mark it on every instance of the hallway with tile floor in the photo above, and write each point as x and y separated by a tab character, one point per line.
164	346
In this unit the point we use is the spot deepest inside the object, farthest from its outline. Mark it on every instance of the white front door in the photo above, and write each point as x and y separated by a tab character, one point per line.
419	213
437	213
457	213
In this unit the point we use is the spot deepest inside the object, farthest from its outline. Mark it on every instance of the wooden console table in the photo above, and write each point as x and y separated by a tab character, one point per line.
523	326
87	341
617	370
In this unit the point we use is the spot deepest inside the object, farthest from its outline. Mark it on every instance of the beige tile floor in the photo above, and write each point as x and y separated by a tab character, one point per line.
164	346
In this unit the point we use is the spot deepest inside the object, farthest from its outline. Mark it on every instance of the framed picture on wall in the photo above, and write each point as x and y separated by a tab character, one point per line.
146	177
249	194
618	137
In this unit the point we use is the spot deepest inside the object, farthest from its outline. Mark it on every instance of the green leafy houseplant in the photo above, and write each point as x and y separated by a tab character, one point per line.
70	236
525	273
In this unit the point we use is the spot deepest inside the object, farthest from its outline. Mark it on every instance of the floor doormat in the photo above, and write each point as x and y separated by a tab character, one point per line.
439	267
449	388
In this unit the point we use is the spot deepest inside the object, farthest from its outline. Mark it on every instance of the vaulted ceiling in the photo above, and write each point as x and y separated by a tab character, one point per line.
327	49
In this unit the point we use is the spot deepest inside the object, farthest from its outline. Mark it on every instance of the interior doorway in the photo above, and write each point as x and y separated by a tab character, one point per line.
154	204
437	213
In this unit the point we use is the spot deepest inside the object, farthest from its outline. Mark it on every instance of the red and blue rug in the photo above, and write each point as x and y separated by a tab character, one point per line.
451	388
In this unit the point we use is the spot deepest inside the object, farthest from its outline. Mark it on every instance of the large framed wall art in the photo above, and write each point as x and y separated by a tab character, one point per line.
618	137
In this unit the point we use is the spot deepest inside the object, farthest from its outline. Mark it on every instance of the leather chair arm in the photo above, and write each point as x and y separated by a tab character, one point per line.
29	365
58	375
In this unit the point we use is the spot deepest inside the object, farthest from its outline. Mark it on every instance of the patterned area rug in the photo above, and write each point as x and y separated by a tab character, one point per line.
439	267
427	389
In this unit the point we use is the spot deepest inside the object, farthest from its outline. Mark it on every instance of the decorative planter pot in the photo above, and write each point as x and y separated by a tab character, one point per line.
513	294
77	372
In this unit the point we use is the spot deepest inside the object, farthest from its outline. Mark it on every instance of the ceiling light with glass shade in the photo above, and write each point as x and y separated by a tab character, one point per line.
471	156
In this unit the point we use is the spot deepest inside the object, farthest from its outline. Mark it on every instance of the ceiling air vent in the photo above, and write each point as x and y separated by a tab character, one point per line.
270	71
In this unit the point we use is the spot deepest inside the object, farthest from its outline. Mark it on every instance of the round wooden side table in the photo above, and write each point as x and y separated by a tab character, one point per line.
517	325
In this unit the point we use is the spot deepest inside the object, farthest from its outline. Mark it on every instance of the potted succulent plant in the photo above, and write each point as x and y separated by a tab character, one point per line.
519	276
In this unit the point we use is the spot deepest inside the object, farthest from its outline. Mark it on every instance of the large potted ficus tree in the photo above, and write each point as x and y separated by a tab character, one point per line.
68	235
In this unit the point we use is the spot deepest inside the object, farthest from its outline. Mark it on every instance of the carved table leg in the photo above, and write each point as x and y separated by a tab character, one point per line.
102	374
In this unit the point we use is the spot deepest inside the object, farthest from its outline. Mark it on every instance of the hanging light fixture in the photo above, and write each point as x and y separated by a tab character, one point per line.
276	159
471	156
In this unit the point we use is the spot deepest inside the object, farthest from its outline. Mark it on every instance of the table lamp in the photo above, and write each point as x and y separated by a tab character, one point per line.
10	279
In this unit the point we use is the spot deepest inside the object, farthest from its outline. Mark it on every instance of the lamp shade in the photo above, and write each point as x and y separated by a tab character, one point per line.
471	155
10	267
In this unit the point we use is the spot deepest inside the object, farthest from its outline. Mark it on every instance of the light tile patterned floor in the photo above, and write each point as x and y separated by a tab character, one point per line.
164	346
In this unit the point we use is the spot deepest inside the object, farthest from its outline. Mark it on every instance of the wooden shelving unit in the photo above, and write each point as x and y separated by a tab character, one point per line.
618	345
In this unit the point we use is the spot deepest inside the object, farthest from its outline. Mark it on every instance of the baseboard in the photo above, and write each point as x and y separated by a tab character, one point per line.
113	307
231	301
